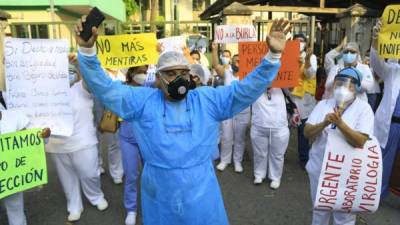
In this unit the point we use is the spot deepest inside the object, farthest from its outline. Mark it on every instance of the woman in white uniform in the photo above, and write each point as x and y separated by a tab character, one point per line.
269	136
233	135
344	113
11	121
76	156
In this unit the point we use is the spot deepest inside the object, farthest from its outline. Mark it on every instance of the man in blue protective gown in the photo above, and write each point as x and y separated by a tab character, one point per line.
177	128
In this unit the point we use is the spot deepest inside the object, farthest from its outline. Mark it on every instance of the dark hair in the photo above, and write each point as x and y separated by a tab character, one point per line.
130	72
226	50
300	35
195	52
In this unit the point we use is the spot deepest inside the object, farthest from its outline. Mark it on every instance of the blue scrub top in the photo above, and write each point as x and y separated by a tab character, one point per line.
177	140
396	112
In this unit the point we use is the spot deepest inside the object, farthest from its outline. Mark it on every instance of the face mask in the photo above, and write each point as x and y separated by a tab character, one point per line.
140	78
235	68
225	60
302	46
178	88
349	58
342	95
72	77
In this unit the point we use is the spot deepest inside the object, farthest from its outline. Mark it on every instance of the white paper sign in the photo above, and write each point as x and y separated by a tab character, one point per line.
235	33
172	44
37	82
351	178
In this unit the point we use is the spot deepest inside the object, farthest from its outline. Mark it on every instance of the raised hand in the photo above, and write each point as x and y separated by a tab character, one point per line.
377	29
276	39
79	29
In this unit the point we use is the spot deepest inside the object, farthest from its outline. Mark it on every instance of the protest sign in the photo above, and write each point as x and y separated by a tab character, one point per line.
252	53
22	162
389	36
350	179
37	82
127	50
235	33
172	44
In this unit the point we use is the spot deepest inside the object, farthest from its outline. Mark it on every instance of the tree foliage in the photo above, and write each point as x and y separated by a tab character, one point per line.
131	6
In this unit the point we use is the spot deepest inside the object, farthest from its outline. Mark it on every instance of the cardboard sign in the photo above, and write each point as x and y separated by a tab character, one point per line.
22	162
235	33
350	179
252	53
389	37
127	50
38	83
172	44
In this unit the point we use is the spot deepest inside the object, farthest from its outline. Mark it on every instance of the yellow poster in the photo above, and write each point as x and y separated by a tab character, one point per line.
389	37
127	50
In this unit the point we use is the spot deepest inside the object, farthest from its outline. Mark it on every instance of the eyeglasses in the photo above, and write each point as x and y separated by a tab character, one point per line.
173	73
349	51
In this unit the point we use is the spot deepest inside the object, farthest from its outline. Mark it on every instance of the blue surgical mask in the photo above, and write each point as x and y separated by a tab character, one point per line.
72	77
225	60
349	58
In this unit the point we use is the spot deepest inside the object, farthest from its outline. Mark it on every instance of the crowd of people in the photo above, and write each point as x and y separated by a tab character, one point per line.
173	127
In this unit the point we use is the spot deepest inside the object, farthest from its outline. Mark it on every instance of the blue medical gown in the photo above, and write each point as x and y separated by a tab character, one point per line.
177	140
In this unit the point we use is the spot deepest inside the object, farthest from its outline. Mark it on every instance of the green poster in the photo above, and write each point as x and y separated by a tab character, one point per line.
22	162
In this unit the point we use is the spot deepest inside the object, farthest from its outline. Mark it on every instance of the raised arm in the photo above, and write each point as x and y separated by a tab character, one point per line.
228	101
377	64
123	100
220	69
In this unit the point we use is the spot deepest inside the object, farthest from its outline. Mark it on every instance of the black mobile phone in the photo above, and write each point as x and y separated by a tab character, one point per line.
94	19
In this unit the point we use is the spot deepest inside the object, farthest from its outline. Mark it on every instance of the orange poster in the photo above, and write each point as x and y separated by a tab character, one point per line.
251	54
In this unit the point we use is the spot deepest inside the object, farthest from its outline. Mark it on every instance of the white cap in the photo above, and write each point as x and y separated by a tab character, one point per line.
201	71
352	46
172	60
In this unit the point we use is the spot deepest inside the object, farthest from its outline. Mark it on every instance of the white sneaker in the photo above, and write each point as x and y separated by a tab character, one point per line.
130	218
73	217
117	180
103	205
102	171
258	180
238	167
275	184
221	166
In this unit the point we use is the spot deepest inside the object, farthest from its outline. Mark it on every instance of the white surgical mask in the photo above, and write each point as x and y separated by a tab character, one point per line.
140	78
342	96
302	46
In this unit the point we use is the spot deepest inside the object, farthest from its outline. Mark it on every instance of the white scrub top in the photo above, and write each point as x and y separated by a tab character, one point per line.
270	113
12	120
358	116
84	131
389	72
229	77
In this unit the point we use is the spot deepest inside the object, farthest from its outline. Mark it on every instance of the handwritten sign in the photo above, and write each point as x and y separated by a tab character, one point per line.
22	162
350	180
3	26
235	33
37	82
172	44
127	50
389	37
252	53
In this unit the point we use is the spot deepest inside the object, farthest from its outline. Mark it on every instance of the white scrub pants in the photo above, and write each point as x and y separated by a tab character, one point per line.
14	205
79	169
323	217
234	135
110	140
269	147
